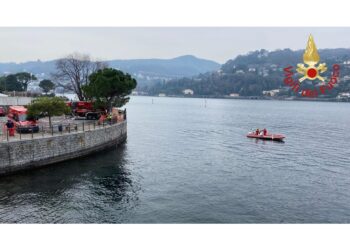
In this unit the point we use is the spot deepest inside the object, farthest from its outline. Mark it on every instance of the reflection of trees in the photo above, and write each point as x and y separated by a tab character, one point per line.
73	191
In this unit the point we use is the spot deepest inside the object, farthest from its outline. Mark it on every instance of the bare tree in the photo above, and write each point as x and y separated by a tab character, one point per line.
72	72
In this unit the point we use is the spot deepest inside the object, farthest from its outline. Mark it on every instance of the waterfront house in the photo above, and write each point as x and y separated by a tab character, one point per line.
344	95
234	95
188	92
273	92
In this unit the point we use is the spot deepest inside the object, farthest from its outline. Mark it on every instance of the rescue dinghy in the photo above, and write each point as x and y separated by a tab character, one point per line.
272	137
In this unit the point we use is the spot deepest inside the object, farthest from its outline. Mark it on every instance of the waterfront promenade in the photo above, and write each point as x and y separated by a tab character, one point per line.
66	127
23	152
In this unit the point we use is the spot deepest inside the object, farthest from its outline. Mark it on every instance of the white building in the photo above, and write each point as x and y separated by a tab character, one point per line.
265	72
343	95
273	92
251	69
234	95
188	92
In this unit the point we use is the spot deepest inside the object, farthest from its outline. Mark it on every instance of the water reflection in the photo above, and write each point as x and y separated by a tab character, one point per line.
70	192
264	142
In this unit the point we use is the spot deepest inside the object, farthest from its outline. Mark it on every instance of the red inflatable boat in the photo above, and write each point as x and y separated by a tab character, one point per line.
273	137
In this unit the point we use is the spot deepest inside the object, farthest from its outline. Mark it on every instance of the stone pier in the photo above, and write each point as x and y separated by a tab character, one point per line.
31	153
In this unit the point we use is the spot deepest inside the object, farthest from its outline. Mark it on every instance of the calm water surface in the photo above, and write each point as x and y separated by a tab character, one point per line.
185	162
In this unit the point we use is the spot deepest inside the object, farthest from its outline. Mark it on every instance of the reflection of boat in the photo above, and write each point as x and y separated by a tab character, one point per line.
273	137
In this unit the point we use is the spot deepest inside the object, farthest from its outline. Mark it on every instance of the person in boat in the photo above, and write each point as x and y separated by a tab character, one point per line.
265	132
257	131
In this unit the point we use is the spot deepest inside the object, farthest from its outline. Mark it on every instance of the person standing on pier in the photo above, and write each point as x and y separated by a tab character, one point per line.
10	127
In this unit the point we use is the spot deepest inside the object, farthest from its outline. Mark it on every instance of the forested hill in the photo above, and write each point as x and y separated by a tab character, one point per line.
251	74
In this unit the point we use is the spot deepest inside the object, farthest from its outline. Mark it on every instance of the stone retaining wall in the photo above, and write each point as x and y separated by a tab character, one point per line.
32	153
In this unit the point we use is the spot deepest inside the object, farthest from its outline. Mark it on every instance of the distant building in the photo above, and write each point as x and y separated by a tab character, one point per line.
273	92
252	69
343	95
273	67
35	90
234	95
265	72
188	92
139	93
162	95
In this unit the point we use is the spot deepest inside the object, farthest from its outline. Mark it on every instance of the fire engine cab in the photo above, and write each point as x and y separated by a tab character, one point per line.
18	114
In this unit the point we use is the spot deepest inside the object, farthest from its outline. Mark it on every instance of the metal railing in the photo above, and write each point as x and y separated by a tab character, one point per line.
25	133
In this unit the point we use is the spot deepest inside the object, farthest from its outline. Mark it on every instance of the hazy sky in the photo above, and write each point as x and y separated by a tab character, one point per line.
219	44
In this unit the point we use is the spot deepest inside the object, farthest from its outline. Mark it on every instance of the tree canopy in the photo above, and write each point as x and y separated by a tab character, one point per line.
48	106
24	78
11	84
46	85
16	82
109	87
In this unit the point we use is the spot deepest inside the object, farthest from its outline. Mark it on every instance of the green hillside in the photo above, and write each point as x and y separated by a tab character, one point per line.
253	73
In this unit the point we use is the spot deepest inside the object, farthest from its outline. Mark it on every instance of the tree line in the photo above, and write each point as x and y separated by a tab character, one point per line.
19	82
90	80
93	80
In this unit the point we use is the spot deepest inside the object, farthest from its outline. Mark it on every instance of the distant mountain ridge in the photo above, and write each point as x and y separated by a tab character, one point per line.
146	71
180	66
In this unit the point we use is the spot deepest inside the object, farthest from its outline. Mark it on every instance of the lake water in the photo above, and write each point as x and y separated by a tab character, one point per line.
190	162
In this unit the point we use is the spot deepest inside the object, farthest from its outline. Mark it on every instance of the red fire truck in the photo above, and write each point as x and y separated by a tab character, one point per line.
2	111
85	109
18	114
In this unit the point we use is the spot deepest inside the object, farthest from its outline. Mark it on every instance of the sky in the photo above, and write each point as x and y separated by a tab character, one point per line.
219	44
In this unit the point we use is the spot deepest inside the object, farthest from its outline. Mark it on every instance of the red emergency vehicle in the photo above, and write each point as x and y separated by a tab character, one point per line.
2	111
18	114
85	109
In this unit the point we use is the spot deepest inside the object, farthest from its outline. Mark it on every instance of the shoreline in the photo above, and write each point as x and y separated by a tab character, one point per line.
258	98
